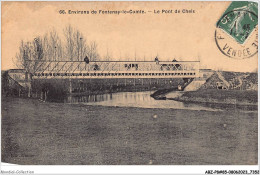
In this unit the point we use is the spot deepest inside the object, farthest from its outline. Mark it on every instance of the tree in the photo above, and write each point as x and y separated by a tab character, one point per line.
93	53
29	55
37	53
52	46
81	47
76	47
21	56
69	45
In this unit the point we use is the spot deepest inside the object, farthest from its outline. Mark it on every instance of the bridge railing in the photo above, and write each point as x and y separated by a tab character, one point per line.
115	69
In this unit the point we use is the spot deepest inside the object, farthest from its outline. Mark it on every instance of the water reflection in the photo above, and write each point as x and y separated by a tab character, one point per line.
136	99
88	98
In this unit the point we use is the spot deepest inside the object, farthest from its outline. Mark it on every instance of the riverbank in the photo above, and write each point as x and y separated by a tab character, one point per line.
238	97
42	133
160	94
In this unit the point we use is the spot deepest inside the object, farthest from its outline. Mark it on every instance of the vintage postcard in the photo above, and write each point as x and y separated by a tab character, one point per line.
130	83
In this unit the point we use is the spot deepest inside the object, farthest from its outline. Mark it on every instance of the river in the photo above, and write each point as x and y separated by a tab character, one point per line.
144	100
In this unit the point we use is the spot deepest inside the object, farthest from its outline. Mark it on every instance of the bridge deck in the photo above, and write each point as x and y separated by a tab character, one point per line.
115	69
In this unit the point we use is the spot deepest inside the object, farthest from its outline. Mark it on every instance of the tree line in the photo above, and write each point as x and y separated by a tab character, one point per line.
73	47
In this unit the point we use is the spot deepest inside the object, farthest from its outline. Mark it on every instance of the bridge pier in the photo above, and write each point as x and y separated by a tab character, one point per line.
41	97
45	96
29	91
70	86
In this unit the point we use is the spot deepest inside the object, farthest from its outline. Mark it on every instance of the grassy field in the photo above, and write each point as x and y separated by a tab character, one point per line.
37	133
221	96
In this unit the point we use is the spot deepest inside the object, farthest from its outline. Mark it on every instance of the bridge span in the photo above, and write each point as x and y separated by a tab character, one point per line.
114	69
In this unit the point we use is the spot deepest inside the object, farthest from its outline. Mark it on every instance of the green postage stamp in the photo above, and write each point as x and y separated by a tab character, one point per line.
236	33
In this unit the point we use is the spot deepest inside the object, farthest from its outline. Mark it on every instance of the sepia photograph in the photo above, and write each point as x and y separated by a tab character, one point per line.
129	83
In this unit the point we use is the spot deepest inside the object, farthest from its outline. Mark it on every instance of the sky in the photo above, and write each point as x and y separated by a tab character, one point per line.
184	36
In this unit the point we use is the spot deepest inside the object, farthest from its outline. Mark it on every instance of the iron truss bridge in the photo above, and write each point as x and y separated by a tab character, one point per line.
114	69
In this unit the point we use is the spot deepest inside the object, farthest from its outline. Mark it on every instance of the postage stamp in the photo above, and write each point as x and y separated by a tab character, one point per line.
236	34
